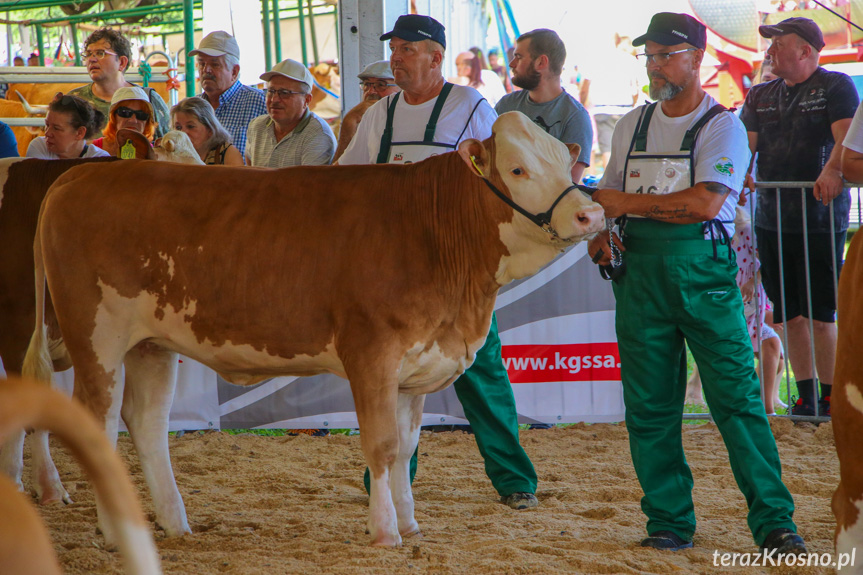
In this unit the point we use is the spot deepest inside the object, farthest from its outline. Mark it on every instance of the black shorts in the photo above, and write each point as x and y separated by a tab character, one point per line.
822	270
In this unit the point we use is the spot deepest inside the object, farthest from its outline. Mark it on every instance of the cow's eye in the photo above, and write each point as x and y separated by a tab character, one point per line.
517	172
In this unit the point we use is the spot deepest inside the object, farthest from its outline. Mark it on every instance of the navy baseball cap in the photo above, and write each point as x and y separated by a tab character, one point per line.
803	27
414	28
669	29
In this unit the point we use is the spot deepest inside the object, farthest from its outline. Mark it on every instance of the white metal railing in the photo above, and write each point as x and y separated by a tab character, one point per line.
803	188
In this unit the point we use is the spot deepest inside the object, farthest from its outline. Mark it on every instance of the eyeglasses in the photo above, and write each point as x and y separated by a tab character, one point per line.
378	86
140	115
99	54
282	93
662	58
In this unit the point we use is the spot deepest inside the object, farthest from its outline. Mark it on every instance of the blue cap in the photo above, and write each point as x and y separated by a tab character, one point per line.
414	28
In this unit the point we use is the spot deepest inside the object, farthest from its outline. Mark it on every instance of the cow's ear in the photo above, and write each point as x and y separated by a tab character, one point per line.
475	156
138	143
574	151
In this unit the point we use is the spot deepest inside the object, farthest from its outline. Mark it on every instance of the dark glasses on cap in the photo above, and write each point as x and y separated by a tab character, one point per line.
125	112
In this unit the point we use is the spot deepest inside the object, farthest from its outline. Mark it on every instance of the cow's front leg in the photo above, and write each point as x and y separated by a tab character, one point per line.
410	413
376	402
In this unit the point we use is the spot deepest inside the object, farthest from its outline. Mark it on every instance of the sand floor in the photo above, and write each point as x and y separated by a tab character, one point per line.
262	505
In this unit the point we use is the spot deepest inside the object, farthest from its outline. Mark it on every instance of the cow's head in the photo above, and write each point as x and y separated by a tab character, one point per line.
534	169
173	147
33	112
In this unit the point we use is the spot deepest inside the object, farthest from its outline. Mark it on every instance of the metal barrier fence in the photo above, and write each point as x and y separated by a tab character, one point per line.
855	219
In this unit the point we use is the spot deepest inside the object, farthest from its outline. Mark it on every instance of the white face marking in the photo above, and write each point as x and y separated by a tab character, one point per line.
855	398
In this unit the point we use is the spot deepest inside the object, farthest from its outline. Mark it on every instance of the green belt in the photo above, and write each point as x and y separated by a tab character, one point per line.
668	247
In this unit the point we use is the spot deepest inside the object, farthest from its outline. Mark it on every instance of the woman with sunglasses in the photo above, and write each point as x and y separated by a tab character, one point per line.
195	117
130	109
68	125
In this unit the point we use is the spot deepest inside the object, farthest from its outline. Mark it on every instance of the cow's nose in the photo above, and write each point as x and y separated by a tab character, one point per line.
590	219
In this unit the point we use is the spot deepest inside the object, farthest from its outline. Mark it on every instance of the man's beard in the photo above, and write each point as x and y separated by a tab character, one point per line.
529	81
666	92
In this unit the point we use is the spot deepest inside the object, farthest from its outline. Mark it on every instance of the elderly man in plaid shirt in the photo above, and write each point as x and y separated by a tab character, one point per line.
236	105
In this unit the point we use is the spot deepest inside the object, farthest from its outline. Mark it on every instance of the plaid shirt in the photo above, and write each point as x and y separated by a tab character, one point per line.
238	106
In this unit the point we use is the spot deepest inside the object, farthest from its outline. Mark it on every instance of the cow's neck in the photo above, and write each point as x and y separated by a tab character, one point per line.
527	253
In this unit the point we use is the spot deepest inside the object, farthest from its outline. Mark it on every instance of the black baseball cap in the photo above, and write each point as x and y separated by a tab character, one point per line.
803	27
669	29
414	27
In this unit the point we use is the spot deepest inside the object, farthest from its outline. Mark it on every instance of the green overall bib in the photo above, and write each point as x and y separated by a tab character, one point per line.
484	390
678	287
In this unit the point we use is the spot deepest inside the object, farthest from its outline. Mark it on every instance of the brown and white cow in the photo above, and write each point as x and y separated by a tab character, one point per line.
847	407
23	185
24	543
386	275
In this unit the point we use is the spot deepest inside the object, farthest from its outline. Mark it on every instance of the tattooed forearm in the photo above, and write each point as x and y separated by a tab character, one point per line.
717	188
658	213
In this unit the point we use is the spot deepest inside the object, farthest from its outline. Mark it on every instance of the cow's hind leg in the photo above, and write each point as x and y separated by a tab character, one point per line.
46	479
410	412
151	378
376	402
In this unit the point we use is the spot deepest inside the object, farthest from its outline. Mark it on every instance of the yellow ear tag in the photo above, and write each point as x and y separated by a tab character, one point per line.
473	161
127	152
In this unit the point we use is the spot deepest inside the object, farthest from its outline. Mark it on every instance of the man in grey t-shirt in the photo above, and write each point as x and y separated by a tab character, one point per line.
536	67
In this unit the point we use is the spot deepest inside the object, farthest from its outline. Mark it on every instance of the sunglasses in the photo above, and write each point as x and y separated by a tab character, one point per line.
125	112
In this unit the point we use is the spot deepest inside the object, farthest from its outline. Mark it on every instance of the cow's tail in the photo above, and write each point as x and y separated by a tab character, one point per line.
37	361
25	404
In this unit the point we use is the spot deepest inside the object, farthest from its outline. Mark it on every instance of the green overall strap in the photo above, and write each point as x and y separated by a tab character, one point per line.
387	136
692	133
432	124
641	135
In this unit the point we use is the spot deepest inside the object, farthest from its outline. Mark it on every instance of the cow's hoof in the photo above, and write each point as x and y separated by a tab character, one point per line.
415	534
49	497
385	540
520	500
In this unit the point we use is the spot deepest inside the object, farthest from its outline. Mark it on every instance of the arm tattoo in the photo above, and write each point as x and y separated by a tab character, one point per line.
717	188
657	213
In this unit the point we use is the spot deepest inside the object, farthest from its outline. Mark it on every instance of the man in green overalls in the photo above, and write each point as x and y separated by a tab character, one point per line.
676	171
428	117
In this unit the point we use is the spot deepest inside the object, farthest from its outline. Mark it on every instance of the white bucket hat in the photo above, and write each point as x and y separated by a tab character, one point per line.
130	93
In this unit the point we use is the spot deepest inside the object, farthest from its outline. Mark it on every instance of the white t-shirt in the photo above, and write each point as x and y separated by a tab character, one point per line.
492	88
854	137
721	150
464	115
38	149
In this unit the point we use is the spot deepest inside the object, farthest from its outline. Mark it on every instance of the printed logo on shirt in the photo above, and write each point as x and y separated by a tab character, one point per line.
670	173
398	157
634	173
724	166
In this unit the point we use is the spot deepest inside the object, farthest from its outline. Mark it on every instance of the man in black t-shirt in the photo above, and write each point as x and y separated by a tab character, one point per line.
793	124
